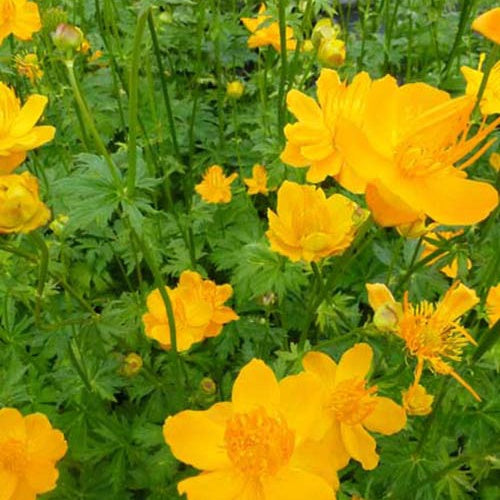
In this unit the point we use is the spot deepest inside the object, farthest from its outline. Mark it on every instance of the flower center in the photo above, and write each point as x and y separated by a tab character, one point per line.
257	443
416	161
351	402
13	456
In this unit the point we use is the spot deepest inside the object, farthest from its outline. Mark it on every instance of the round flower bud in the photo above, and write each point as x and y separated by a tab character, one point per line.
132	364
307	46
208	386
324	30
67	37
235	89
386	317
331	52
417	401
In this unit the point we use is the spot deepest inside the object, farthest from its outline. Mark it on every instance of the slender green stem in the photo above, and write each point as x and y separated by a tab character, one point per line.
284	69
133	105
316	296
38	240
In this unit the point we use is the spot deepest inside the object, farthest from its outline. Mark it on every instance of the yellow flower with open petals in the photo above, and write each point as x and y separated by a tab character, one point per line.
256	446
432	332
215	186
490	101
258	182
309	226
18	133
29	451
21	209
488	24
19	17
408	159
350	408
417	401
265	33
198	307
493	305
311	141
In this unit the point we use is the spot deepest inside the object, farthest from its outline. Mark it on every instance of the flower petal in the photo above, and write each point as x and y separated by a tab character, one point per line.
219	485
457	301
8	482
12	425
303	107
44	441
378	295
360	445
386	418
29	115
354	363
42	476
322	366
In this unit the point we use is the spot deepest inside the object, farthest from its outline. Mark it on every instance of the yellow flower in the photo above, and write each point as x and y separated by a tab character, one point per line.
258	182
265	33
235	89
18	133
132	364
215	187
21	210
495	161
256	446
311	142
387	312
324	29
490	101
198	307
488	24
309	226
432	332
28	66
408	159
19	17
29	450
416	401
493	305
350	407
331	52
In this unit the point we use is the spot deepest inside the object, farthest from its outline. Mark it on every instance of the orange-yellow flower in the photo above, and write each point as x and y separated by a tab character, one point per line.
265	33
431	244
215	186
256	446
28	66
19	17
493	304
29	450
488	24
432	332
258	182
309	226
417	401
199	311
407	159
311	141
490	101
350	407
331	52
21	209
18	133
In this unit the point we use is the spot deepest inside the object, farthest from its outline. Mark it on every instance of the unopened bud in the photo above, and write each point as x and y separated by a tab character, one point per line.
386	317
416	401
132	364
268	299
331	52
67	37
307	46
235	89
324	30
58	224
208	386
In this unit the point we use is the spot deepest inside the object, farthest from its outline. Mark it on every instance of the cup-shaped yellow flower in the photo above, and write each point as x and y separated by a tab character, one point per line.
265	33
408	157
309	226
490	100
256	446
417	401
311	141
19	17
432	332
350	407
488	24
258	182
215	186
29	450
21	209
493	304
331	52
199	311
18	133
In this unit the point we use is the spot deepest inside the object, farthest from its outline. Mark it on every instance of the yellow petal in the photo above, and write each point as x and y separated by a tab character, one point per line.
457	301
360	445
322	366
219	485
386	418
42	476
43	440
256	386
12	425
303	107
29	115
488	24
354	363
378	295
8	481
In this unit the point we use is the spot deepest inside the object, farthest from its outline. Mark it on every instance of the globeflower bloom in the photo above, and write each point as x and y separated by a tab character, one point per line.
215	186
309	226
258	182
19	17
29	451
493	305
265	33
18	133
21	209
407	160
257	445
235	89
198	307
416	401
490	100
432	332
350	407
331	52
28	66
488	24
311	141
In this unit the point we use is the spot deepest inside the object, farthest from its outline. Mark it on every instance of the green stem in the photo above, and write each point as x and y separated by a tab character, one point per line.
38	240
284	69
134	103
314	301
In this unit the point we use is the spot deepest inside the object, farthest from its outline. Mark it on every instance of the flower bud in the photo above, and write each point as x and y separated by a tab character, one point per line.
331	52
416	228
324	30
307	46
132	364
417	401
268	299
208	386
386	317
58	224
67	37
235	89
